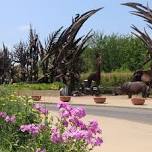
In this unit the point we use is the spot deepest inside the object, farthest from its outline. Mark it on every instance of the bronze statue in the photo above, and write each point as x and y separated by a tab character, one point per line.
96	76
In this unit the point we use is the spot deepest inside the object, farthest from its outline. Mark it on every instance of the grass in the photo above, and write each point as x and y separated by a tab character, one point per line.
111	79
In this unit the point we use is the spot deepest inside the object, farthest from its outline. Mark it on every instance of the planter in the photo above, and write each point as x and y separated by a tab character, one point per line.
138	101
65	98
36	98
99	99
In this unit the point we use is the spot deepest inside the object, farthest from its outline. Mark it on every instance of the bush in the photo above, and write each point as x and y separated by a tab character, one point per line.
118	51
38	86
28	127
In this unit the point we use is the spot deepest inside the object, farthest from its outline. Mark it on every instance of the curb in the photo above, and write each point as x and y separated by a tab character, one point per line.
98	105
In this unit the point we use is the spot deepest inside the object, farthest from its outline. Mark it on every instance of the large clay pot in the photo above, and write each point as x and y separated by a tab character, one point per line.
138	101
65	98
99	99
36	98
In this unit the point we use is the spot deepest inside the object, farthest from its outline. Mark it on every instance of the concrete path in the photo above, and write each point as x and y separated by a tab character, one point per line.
118	135
132	114
121	135
124	136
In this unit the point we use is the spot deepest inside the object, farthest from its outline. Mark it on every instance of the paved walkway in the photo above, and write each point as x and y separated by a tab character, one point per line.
124	136
121	135
118	135
118	101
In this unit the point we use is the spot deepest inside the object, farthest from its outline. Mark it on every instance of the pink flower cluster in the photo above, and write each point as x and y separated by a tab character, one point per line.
7	118
40	109
32	128
75	128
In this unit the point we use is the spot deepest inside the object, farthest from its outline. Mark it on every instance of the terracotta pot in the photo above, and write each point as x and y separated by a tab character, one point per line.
138	101
99	99
36	98
65	98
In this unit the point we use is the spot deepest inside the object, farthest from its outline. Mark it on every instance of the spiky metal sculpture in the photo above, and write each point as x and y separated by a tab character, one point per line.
5	65
60	57
33	56
27	56
146	13
20	57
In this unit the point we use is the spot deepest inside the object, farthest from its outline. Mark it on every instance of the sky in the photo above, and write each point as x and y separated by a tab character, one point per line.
47	16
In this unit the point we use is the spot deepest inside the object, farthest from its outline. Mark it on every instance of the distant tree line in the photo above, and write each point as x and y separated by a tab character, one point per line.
119	52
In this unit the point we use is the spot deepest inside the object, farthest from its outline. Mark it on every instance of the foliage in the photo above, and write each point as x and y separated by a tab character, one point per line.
36	86
25	126
118	52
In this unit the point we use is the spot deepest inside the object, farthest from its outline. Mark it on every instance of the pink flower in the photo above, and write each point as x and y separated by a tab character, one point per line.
74	128
78	112
63	105
65	114
94	127
3	114
40	108
10	119
31	128
98	141
56	136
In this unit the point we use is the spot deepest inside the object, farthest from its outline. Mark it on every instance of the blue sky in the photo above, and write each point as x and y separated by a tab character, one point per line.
48	15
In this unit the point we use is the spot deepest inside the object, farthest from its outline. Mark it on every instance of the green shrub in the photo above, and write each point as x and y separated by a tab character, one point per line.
40	86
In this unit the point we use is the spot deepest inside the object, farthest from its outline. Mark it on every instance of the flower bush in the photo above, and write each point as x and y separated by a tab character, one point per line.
25	126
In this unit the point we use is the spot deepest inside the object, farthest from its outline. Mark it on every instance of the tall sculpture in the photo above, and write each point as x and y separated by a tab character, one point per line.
96	76
20	57
146	13
5	65
62	52
59	58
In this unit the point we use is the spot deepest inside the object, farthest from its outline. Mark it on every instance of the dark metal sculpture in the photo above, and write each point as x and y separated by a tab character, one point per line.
5	65
97	75
137	87
146	13
62	52
59	59
27	56
20	58
33	56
